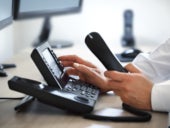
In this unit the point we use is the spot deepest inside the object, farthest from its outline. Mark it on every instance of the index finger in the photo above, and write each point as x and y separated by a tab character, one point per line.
75	59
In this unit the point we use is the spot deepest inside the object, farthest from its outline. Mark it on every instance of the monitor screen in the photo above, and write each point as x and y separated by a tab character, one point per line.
35	8
5	13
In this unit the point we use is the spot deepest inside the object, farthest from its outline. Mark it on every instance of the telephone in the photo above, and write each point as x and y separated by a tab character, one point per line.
71	94
62	91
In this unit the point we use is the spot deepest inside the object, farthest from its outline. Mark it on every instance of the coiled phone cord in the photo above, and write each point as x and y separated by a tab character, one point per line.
139	115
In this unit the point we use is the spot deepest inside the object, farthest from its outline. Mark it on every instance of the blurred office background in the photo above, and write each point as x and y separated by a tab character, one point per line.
151	25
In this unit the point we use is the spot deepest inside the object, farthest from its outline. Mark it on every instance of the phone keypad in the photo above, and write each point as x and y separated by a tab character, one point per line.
82	89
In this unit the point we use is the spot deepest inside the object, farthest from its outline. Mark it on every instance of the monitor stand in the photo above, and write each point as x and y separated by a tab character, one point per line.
5	66
60	43
44	36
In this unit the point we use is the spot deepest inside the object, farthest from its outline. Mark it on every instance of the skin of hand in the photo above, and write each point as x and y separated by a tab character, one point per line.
87	71
133	88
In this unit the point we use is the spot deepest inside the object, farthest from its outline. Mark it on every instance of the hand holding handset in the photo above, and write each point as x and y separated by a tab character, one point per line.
99	48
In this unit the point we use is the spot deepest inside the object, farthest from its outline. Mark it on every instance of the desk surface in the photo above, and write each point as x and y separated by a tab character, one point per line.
44	116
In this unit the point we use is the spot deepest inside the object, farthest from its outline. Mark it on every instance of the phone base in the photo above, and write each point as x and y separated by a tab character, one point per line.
24	103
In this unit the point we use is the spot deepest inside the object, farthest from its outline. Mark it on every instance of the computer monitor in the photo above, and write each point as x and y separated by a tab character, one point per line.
5	13
6	17
24	9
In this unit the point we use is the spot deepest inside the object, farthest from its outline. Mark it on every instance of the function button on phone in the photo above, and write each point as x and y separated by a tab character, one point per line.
81	99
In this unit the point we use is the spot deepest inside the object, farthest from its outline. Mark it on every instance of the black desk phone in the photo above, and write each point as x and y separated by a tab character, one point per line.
62	91
69	93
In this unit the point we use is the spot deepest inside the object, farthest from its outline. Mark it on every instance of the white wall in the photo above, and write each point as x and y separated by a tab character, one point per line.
151	23
6	43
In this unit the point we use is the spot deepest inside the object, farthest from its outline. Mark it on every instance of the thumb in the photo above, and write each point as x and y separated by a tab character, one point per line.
132	68
115	75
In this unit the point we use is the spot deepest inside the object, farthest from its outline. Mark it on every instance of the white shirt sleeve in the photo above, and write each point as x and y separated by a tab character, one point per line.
160	97
156	66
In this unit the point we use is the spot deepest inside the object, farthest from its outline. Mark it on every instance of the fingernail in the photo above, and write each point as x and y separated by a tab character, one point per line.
76	65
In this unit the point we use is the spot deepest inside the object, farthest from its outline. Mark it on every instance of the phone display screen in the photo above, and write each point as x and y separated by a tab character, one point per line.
50	61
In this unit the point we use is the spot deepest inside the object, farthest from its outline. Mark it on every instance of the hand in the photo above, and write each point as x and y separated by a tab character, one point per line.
87	71
133	87
69	60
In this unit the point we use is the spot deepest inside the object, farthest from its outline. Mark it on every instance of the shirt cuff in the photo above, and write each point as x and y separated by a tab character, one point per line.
160	98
